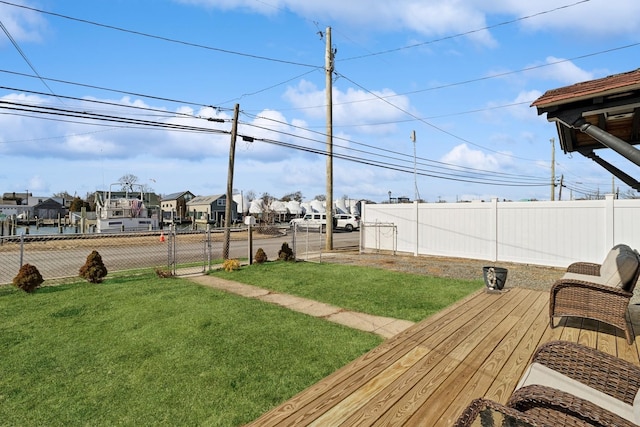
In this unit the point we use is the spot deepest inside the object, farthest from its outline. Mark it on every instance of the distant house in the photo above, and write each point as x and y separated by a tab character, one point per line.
27	206
49	209
174	206
211	209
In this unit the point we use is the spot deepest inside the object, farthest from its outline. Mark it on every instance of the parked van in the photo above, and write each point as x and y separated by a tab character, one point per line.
311	220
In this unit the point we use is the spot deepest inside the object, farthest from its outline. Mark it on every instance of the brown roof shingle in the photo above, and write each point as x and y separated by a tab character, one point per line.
584	90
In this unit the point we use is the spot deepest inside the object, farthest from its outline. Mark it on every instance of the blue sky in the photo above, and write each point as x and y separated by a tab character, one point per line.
461	74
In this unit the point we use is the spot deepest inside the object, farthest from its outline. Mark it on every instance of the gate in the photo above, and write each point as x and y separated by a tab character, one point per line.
308	242
188	252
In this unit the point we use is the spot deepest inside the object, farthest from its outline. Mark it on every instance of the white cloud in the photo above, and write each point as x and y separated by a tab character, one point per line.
23	24
450	17
562	71
462	155
596	18
353	106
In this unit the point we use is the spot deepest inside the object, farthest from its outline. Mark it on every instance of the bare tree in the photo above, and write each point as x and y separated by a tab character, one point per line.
127	181
297	196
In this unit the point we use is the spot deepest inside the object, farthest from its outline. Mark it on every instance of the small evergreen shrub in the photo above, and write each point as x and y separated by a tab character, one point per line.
93	269
231	265
28	278
261	256
286	253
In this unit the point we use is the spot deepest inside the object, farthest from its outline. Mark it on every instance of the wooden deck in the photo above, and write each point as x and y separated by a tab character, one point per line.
428	374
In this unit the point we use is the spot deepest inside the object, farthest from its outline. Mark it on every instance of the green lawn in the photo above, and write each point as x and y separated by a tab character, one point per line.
146	351
368	290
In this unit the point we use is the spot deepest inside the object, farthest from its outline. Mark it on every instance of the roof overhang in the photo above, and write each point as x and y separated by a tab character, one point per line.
597	114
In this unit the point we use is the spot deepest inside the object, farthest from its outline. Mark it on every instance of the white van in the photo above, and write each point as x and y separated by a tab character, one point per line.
311	220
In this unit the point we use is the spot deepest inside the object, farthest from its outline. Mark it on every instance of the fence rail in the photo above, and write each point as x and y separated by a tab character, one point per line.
60	256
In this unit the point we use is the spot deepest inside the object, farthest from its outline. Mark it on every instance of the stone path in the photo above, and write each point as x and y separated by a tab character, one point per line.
384	326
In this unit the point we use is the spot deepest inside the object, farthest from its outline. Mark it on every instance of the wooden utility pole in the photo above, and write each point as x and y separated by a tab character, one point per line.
553	169
561	185
229	201
329	89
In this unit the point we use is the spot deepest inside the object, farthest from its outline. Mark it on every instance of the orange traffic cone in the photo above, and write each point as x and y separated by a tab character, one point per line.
162	236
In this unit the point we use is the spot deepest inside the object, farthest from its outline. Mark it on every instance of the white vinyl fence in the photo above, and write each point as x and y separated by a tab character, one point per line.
542	233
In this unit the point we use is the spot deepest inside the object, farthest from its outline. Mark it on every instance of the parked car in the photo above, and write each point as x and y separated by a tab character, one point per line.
347	222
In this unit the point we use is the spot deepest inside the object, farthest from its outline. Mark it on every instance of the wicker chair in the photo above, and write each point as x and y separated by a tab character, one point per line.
598	291
490	413
595	373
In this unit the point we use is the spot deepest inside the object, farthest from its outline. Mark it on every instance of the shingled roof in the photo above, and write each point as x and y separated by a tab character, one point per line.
598	114
589	89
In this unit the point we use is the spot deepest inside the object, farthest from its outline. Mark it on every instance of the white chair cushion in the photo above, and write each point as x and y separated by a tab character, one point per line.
619	267
585	278
539	374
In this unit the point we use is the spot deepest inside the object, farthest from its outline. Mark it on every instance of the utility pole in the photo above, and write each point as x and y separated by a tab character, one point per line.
229	202
415	170
553	169
329	94
561	185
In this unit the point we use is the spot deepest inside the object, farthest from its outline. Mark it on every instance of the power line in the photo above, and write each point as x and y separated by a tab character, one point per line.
466	33
435	163
454	172
166	39
22	108
106	89
24	56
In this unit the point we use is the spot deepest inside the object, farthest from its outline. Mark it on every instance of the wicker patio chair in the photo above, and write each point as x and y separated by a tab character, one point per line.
598	291
586	386
489	413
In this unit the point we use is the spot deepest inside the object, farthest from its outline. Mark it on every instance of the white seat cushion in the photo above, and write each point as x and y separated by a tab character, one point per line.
539	374
585	278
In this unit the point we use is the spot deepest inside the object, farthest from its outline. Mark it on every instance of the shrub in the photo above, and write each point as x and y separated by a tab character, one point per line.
261	256
93	269
163	273
231	265
286	253
28	278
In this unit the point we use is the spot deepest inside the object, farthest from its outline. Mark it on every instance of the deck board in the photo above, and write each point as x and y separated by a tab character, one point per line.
428	374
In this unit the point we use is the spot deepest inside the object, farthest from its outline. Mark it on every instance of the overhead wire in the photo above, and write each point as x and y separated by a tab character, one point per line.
162	38
123	92
408	158
415	118
466	33
449	171
24	56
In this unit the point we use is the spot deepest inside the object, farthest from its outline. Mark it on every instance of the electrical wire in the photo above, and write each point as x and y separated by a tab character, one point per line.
466	33
123	92
407	157
166	39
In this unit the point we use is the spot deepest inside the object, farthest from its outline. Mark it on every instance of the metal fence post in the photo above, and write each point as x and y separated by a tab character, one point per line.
21	249
208	247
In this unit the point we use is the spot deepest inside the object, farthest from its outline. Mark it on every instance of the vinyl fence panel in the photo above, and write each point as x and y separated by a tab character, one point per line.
542	233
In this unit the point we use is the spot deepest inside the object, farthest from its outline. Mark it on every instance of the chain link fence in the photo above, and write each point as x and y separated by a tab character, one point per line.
60	256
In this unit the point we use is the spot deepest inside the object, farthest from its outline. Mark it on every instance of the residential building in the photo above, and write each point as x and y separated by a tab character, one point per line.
211	209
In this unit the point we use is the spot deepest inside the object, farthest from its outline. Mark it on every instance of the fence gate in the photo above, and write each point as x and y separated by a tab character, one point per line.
380	236
308	242
188	252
